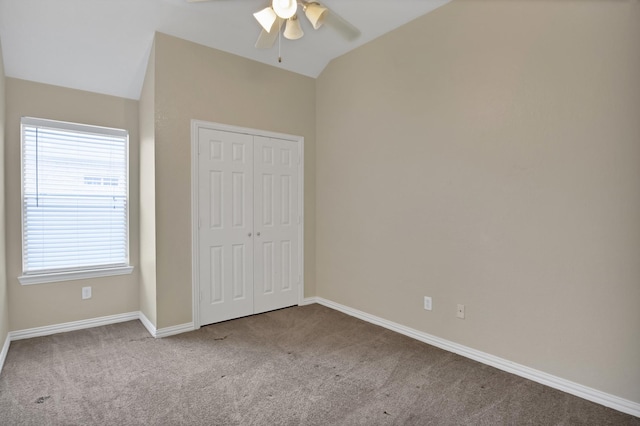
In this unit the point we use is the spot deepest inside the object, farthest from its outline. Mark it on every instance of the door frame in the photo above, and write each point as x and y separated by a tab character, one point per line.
196	125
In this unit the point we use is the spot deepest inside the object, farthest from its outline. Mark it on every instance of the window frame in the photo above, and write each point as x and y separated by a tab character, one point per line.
81	272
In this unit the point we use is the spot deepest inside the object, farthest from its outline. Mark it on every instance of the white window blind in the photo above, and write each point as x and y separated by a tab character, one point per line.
74	197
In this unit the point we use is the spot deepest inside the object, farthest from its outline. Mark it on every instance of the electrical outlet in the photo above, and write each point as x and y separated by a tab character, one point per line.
86	293
460	311
427	303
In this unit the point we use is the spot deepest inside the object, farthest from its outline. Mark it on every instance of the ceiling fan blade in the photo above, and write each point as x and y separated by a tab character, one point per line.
267	39
341	25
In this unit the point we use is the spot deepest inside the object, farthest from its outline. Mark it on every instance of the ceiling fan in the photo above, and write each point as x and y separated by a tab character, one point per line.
285	13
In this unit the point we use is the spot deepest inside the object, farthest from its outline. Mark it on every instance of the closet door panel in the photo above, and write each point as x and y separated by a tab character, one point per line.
225	202
248	224
276	270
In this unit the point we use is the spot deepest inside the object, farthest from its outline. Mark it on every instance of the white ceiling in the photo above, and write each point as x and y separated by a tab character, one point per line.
102	45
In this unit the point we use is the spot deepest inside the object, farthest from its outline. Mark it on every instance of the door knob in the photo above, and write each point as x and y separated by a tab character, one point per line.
249	234
258	234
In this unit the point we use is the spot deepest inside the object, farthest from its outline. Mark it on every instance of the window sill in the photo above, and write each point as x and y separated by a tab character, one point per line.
73	275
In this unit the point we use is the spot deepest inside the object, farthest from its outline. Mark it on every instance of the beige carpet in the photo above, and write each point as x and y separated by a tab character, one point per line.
298	366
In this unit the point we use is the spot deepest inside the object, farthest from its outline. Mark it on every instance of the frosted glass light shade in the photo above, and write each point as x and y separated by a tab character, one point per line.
266	17
285	8
293	31
315	14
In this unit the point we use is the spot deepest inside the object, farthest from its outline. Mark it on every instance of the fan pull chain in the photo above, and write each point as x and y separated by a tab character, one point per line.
279	55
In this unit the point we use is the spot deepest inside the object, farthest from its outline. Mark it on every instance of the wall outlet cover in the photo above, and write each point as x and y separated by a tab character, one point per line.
460	311
427	303
86	293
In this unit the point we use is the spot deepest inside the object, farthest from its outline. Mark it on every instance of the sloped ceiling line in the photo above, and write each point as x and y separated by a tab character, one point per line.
99	46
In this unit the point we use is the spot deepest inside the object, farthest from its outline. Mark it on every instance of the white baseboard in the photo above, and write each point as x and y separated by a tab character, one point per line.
167	331
5	350
97	322
308	301
72	326
148	324
176	329
89	323
555	382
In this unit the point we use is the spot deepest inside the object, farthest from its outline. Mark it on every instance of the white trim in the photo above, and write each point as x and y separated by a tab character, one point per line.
175	329
594	395
97	322
590	394
301	224
164	332
243	130
73	275
195	266
72	326
5	351
147	324
195	270
74	127
100	270
90	323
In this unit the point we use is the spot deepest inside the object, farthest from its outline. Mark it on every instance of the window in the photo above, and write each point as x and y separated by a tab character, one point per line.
74	201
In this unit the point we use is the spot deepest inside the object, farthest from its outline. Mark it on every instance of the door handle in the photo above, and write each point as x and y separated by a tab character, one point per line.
258	234
249	234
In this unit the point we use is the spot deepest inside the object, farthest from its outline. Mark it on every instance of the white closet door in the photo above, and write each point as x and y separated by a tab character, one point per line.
276	218
225	236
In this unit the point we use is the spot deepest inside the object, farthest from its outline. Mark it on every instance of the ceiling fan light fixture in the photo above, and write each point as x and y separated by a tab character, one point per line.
285	8
293	30
315	14
266	17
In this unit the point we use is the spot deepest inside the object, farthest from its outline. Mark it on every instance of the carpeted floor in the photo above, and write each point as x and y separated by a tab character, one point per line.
305	365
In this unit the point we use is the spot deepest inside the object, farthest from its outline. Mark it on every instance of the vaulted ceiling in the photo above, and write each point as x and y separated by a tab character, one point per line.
103	45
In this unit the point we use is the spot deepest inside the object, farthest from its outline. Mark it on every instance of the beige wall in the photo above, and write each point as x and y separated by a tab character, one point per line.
148	193
46	304
4	300
485	154
488	154
196	82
